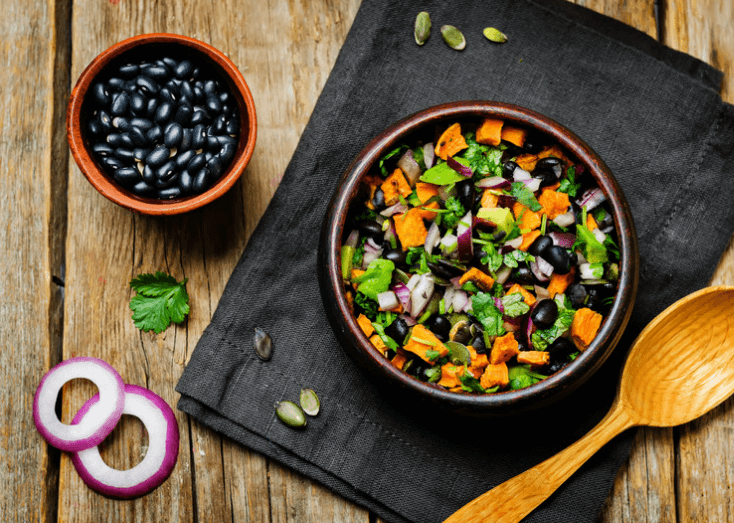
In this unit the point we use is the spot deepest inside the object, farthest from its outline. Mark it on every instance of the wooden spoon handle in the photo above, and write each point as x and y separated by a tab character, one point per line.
517	497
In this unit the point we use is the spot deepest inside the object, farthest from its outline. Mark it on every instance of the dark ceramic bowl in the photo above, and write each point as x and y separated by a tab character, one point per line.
147	47
401	385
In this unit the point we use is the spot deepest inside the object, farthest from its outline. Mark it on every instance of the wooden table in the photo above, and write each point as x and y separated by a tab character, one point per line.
69	254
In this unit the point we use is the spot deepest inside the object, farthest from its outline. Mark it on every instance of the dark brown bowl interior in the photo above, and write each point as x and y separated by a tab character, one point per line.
399	384
147	48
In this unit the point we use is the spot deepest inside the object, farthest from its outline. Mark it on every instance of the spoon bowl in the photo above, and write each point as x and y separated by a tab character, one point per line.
679	367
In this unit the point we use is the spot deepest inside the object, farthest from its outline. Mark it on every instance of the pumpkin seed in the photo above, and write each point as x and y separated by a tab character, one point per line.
310	402
290	414
453	37
458	353
494	35
263	344
422	28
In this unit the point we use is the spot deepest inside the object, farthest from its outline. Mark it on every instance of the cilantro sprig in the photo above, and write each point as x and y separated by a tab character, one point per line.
160	300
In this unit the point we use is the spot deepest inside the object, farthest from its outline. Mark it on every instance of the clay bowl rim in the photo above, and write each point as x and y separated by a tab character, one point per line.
557	385
152	206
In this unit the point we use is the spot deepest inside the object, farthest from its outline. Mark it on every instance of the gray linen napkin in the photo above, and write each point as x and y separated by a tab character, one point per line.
654	116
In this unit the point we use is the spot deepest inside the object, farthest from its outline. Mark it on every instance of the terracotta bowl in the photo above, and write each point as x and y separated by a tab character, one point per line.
145	47
401	385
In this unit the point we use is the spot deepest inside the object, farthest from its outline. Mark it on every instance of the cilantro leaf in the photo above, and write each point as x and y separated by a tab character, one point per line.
451	219
514	305
160	300
492	259
387	340
432	354
487	313
483	159
369	306
525	196
568	184
433	374
418	255
593	250
389	155
359	253
543	338
470	384
376	278
512	258
521	377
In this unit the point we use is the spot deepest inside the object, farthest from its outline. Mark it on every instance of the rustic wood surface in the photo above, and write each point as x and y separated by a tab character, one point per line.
69	253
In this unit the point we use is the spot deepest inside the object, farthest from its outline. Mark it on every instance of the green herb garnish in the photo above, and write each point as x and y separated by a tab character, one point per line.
160	300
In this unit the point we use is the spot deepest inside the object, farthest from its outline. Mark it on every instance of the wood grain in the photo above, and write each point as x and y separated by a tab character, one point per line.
29	305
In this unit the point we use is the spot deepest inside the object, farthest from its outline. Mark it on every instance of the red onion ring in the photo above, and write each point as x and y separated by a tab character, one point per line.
159	460
493	182
458	167
105	414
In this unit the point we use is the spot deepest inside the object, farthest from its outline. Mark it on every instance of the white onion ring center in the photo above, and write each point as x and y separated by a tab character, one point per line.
92	426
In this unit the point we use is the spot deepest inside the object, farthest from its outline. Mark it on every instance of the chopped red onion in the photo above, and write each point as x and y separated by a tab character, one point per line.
390	233
503	274
540	275
565	219
413	281
429	155
371	246
591	198
533	184
448	241
460	301
398	208
541	293
409	320
514	243
564	239
599	235
587	272
543	265
493	182
369	257
581	257
520	174
464	232
448	296
410	167
432	238
403	294
421	294
458	167
529	328
352	239
456	281
387	300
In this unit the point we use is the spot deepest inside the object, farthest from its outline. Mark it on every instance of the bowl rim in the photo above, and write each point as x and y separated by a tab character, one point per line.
556	385
101	181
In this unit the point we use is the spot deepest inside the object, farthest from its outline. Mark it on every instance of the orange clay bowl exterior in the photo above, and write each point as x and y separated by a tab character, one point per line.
400	385
138	48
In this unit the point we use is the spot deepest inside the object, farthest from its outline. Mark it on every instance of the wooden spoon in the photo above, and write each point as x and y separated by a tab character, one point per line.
679	367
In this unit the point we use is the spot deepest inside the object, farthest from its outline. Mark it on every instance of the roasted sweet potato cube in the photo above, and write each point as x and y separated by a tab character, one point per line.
425	191
490	131
450	374
560	282
504	348
395	186
450	142
483	280
554	203
495	375
421	341
528	219
585	325
534	357
528	238
527	296
514	135
366	325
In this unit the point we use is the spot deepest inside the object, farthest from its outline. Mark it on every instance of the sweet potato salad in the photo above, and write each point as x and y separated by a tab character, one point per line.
480	258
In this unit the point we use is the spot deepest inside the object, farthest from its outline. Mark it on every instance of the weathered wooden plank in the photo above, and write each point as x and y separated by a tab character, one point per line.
705	29
637	13
30	300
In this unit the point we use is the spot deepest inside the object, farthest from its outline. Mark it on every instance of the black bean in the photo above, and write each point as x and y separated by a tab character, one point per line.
158	156
523	275
169	62
213	104
554	366
169	193
212	144
220	125
184	69
465	193
105	121
164	112
440	326
126	176
165	95
122	123
195	74
595	298
147	85
199	94
138	136
103	149
157	73
185	143
149	174
550	164
215	167
559	258
165	171
185	181
124	154
142	123
378	200
508	169
129	70
140	153
130	87
116	84
196	163
114	139
544	314
560	349
440	271
478	344
233	126
398	256
540	245
143	189
172	135
186	91
199	117
210	87
183	158
101	95
224	97
532	145
154	134
226	110
198	137
95	127
546	178
138	103
183	114
201	181
371	229
227	153
397	330
577	294
112	162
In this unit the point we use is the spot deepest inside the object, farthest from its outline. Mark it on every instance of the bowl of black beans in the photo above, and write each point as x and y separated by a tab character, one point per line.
161	123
